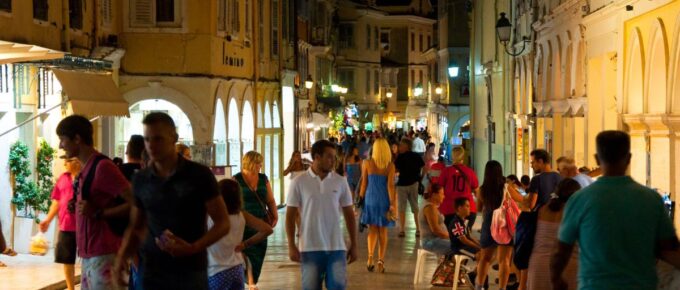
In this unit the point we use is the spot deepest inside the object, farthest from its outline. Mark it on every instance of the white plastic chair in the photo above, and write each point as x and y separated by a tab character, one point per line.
456	273
420	264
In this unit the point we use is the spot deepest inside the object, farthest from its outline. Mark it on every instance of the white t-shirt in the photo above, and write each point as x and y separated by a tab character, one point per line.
221	254
418	145
320	203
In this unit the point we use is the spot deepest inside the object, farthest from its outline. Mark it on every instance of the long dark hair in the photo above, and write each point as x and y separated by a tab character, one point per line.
565	189
492	187
231	193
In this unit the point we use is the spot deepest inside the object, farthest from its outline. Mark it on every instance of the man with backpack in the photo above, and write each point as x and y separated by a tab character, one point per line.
99	185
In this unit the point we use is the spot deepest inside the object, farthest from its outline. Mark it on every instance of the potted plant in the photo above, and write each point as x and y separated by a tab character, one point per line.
31	197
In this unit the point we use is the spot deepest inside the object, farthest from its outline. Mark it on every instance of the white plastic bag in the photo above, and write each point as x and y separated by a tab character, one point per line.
39	245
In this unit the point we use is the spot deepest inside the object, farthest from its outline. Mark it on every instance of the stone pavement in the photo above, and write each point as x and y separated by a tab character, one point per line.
34	272
280	273
29	272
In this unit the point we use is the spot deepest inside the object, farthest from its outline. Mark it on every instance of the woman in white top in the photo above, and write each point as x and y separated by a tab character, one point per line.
225	261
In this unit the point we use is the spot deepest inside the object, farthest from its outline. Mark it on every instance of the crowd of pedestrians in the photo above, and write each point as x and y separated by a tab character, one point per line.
162	221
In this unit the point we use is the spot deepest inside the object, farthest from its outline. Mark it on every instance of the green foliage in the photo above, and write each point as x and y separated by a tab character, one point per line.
338	120
44	170
28	195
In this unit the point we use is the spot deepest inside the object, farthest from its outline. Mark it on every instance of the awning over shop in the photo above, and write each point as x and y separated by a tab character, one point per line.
92	93
415	112
16	52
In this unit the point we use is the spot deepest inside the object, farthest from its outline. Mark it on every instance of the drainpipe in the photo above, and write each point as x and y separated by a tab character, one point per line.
488	70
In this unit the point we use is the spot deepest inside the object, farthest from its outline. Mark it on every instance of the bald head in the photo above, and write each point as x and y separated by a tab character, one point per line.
566	166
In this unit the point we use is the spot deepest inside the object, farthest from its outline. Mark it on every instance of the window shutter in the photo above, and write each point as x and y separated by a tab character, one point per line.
142	13
107	11
221	15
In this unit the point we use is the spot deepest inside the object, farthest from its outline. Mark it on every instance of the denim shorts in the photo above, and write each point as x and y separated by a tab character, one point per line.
318	266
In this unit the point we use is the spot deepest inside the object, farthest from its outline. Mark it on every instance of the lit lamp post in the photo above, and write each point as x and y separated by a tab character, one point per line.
453	71
309	83
389	93
504	32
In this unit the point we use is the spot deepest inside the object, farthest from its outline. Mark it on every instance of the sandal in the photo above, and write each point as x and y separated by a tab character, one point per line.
402	234
418	234
9	252
369	264
381	266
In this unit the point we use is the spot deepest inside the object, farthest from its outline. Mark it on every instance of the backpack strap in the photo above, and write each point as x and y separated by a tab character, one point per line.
87	184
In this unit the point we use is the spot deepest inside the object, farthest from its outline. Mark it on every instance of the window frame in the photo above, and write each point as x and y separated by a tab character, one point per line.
79	27
8	9
132	24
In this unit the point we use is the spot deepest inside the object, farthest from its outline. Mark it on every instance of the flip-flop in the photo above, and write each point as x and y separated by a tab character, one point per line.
402	234
9	252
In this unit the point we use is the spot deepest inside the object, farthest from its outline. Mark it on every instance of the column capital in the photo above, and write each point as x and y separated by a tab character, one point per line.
636	124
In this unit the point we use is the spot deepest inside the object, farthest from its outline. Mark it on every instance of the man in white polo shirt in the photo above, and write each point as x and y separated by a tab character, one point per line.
316	198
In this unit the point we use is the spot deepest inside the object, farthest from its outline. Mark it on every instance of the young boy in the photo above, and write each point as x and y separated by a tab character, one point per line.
461	241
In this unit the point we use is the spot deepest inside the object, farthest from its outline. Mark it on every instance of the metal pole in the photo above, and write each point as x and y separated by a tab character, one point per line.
32	118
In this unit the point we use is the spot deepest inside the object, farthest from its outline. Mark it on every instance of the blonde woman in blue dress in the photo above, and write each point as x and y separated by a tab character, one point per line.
379	194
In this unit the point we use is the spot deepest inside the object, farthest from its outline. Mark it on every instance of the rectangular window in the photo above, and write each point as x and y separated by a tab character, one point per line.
75	13
285	15
368	36
420	42
346	78
40	9
165	10
6	5
249	20
260	28
385	37
429	44
413	42
367	84
275	28
346	39
413	78
376	82
235	19
222	13
376	35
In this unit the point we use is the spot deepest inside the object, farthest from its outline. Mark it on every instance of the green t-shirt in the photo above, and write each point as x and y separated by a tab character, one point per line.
617	224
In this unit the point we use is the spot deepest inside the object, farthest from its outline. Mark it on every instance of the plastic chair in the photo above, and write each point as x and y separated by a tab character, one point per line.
456	273
420	264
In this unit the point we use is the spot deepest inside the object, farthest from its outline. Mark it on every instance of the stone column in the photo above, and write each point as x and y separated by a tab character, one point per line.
638	147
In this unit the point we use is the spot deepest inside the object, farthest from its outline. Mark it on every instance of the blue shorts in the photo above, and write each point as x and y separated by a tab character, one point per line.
318	266
229	279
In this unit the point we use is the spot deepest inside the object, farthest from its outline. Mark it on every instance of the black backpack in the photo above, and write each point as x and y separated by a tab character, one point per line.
117	224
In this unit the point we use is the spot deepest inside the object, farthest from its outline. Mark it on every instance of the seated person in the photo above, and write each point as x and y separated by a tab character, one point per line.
433	235
461	241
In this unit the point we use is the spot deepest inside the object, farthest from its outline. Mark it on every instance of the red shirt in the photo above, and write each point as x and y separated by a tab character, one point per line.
457	183
63	193
93	236
436	171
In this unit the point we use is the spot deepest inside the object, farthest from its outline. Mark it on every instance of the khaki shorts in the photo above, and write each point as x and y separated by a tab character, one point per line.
408	193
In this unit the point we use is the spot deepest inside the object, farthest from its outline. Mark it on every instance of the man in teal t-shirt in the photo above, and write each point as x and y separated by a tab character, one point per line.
621	226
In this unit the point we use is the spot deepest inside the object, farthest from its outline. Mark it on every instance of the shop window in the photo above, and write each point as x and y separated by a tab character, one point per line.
40	10
346	39
6	5
275	28
75	13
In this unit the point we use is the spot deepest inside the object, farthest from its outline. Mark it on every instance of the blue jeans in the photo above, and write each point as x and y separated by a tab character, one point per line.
324	265
438	246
